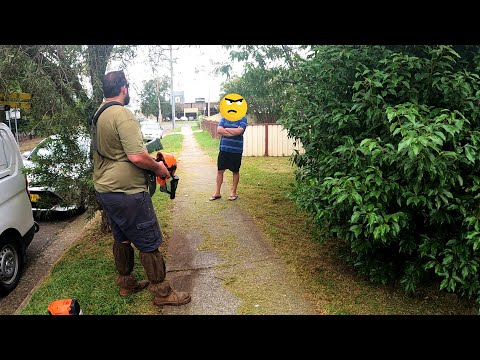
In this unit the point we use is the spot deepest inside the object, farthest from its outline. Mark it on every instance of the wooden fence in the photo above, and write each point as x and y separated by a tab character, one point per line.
261	139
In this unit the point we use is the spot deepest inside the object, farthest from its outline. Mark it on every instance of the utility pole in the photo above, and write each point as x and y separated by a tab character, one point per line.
172	98
208	104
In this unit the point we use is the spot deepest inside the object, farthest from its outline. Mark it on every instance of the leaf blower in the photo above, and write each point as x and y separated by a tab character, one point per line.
171	164
65	307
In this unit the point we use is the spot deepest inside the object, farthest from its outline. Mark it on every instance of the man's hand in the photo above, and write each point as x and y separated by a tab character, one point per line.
162	171
146	161
235	131
221	131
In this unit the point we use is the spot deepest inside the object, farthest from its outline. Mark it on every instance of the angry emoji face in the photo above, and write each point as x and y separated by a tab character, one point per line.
233	107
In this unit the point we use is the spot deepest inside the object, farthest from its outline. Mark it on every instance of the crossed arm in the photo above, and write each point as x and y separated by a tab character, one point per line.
230	131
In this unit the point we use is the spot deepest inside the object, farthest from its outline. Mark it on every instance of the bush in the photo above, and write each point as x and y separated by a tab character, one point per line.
392	157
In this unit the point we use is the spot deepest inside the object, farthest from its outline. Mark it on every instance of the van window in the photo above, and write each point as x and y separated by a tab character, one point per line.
5	160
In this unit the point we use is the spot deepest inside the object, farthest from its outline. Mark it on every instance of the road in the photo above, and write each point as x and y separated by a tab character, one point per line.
48	245
167	126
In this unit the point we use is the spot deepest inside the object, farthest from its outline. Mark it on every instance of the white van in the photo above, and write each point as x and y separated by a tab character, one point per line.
17	226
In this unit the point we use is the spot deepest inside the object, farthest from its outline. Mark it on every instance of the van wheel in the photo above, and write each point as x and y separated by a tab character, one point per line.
10	265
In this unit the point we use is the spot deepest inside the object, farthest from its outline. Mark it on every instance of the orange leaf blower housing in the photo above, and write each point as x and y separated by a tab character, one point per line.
65	307
171	165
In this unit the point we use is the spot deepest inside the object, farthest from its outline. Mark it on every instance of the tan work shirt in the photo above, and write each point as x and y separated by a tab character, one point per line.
118	134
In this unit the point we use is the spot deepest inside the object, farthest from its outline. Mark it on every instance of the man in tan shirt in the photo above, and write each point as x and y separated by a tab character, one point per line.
121	189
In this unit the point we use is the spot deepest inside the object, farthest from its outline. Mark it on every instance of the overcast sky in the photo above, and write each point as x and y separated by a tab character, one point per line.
192	72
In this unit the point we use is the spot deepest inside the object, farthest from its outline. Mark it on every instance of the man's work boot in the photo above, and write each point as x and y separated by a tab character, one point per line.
163	294
129	285
175	298
124	262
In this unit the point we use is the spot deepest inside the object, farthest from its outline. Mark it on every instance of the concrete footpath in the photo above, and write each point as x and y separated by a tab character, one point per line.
217	253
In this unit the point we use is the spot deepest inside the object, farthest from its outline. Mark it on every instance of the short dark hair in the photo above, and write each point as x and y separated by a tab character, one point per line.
113	82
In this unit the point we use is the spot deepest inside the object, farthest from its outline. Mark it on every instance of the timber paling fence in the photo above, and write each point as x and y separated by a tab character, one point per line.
261	139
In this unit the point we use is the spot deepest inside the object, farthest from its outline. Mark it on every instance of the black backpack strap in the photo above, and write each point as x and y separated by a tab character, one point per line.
97	115
102	109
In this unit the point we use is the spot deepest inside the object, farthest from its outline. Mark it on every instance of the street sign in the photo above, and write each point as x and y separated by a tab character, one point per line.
15	96
16	100
16	104
12	102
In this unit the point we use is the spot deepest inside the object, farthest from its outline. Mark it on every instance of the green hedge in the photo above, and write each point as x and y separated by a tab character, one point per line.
392	157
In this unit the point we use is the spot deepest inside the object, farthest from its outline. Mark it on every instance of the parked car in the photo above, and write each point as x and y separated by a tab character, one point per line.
184	118
17	226
151	130
50	161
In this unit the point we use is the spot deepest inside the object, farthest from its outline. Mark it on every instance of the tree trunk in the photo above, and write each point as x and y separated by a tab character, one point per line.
98	56
105	226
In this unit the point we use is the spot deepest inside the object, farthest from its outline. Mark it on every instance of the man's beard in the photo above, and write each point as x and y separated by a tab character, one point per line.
127	100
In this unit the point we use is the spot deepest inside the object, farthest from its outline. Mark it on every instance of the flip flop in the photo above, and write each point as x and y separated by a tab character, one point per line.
231	198
215	197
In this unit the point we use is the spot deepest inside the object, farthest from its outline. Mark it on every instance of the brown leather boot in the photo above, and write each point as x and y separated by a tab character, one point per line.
129	285
159	287
124	262
175	298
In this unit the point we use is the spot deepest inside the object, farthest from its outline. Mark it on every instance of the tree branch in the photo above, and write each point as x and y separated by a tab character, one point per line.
98	56
60	73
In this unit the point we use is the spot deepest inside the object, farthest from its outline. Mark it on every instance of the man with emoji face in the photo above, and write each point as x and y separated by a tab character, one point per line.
231	127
